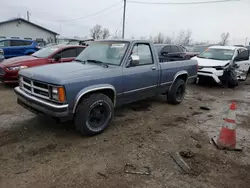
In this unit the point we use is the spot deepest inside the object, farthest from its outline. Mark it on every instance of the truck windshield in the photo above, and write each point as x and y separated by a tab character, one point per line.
108	52
45	52
217	54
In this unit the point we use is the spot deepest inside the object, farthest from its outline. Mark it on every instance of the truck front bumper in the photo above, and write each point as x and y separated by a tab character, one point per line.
39	106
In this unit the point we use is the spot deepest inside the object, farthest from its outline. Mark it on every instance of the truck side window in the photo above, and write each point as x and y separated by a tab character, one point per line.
144	52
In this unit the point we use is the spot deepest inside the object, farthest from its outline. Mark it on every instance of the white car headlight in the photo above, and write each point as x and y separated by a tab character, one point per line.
16	68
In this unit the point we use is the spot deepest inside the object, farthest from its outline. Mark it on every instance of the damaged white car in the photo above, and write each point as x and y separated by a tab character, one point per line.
217	62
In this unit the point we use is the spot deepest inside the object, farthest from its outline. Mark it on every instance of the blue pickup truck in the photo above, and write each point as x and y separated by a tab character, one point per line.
17	47
107	74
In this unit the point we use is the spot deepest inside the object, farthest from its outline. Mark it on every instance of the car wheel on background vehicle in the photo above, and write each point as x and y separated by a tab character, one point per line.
177	92
94	114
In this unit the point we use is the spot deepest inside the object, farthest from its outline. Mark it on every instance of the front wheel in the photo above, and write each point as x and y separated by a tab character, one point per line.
94	114
177	92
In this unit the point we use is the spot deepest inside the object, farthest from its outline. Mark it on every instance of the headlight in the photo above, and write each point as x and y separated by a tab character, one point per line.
16	68
58	94
222	67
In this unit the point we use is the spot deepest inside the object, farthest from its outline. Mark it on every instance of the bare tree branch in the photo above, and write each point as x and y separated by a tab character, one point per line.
224	38
168	40
96	32
184	38
105	33
159	39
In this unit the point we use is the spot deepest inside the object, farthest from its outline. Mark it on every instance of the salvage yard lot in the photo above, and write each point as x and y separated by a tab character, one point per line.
38	152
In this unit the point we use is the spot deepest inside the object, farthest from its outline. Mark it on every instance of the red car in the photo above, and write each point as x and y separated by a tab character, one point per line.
9	68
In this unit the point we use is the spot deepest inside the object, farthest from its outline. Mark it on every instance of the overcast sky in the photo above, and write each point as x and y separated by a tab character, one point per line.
206	21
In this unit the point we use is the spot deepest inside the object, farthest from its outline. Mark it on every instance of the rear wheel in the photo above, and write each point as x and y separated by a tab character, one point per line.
177	92
94	114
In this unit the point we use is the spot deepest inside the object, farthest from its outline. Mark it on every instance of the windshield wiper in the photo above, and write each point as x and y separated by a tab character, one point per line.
97	62
78	60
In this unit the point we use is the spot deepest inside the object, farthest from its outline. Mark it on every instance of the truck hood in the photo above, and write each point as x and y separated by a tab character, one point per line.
210	62
19	61
59	73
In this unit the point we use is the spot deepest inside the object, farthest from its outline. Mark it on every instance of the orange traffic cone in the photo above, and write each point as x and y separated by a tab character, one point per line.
227	136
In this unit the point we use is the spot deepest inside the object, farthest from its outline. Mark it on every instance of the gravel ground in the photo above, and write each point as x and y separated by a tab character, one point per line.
38	152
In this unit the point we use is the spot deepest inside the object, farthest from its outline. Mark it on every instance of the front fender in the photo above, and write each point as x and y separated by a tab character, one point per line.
92	88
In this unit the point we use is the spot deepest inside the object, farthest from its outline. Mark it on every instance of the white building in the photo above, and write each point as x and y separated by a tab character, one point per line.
23	29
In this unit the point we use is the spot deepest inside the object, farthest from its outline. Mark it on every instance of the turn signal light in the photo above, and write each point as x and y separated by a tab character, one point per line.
61	94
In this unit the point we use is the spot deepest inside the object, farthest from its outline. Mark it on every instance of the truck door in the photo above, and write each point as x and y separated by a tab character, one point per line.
140	81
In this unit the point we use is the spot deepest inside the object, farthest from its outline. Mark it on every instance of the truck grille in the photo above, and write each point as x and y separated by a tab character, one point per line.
35	88
2	72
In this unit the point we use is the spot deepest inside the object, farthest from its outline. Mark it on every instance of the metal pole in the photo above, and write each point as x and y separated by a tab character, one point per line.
124	19
28	16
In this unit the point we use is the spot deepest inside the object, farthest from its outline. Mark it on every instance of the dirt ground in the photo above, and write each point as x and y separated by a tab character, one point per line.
38	152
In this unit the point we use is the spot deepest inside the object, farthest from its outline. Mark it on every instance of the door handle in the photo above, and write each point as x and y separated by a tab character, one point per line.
153	68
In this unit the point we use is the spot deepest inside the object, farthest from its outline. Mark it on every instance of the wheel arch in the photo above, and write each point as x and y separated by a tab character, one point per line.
181	74
106	89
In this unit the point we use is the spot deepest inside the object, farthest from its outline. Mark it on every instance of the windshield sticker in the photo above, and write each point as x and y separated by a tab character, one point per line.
117	45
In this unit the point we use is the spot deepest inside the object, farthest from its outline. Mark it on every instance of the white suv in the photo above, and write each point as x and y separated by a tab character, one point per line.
216	59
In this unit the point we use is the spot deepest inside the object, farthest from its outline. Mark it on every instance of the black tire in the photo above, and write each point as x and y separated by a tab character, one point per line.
87	111
177	92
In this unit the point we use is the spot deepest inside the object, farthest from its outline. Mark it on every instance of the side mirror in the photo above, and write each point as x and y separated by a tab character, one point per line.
57	57
134	61
243	56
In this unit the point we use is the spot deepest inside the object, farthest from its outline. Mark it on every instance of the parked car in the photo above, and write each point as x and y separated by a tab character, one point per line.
106	74
9	68
18	47
170	52
216	60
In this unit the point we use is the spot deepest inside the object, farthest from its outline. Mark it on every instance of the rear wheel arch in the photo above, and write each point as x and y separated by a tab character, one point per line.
106	90
180	75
